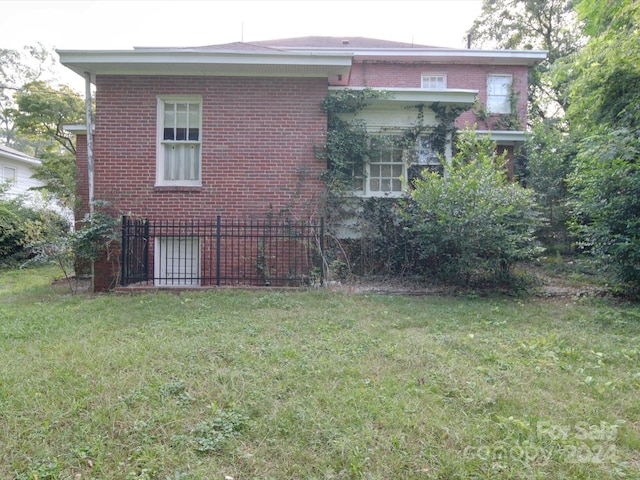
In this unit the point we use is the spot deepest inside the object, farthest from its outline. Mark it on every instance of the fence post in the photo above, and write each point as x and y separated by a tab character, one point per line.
322	269
125	249
218	236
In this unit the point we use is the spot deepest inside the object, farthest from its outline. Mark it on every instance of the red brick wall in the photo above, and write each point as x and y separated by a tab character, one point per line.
258	137
474	77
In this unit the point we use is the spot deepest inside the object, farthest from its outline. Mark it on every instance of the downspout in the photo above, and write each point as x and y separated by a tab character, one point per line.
87	103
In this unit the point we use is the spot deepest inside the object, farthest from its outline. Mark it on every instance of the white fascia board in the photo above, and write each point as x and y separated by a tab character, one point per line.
504	136
414	95
78	129
19	157
189	62
446	55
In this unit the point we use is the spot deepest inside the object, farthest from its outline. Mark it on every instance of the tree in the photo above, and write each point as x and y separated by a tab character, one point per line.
42	111
532	24
549	160
18	67
604	117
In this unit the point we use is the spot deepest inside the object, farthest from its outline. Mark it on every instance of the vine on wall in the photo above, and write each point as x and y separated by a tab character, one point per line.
497	121
379	241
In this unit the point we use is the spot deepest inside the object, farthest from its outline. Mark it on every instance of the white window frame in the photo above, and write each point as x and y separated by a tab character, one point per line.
186	250
499	102
430	78
382	168
161	143
422	155
9	176
425	155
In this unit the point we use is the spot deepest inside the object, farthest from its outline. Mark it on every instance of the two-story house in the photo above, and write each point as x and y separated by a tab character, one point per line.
230	130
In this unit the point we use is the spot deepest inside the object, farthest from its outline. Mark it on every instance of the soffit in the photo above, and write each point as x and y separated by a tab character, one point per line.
207	63
407	97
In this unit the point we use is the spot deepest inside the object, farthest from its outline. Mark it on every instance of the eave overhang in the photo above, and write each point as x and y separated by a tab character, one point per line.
505	137
19	157
408	97
173	62
442	55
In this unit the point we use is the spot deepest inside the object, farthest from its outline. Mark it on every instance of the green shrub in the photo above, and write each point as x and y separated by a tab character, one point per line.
22	227
606	188
472	223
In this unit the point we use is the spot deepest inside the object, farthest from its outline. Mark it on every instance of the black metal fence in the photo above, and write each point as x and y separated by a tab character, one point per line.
221	252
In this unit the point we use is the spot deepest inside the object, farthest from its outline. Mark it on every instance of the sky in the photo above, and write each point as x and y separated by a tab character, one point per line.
121	24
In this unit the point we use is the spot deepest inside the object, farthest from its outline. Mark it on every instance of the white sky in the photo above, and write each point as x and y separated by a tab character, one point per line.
121	24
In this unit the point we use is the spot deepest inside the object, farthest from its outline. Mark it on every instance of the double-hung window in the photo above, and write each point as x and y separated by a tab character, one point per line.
387	170
434	81
384	173
499	93
179	144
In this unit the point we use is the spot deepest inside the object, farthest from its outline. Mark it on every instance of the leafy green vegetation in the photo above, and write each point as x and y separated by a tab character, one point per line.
313	384
472	224
22	226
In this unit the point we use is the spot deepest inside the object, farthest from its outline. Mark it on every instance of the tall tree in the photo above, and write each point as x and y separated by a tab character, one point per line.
18	67
604	116
42	111
532	24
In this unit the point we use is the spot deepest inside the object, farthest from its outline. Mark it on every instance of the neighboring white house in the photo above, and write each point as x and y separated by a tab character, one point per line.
17	168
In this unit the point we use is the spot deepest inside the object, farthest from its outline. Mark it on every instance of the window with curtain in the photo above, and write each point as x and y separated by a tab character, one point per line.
179	141
499	93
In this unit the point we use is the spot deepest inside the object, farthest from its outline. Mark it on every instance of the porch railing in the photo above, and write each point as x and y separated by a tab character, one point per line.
221	252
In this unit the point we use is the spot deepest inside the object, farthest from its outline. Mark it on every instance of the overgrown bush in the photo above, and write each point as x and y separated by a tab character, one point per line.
472	223
381	243
606	205
22	227
547	164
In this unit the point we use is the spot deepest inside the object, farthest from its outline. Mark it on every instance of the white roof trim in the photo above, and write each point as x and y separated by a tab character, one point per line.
504	136
15	155
440	55
206	63
78	129
421	95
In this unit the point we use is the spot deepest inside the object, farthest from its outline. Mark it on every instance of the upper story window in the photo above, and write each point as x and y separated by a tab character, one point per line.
179	141
434	81
499	93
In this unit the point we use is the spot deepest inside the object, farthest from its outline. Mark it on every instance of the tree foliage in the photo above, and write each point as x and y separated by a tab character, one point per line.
605	121
33	110
23	226
549	160
606	86
42	111
17	68
532	24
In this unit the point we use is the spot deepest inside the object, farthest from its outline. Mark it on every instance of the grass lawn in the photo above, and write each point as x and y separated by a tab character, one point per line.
314	384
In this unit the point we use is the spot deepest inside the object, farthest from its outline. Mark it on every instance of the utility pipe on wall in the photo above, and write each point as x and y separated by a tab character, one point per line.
87	81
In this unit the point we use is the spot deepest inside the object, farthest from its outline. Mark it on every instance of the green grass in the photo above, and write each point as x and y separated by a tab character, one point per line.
314	384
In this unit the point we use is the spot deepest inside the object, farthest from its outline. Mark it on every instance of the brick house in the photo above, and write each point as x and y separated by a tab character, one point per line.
233	130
